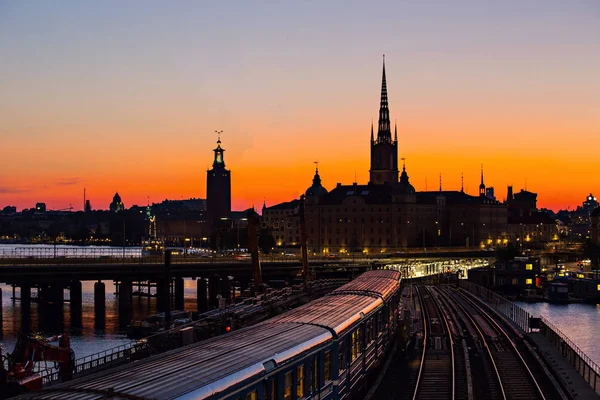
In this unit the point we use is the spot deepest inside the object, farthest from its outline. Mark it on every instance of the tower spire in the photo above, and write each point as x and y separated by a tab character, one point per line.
372	137
482	185
395	131
383	133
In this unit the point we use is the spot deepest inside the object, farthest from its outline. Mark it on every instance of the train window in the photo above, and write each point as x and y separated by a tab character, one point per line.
252	395
327	366
300	380
271	388
355	344
287	386
314	375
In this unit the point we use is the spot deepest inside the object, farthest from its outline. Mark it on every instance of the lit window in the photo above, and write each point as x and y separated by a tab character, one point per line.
287	387
355	344
529	281
252	395
300	386
529	267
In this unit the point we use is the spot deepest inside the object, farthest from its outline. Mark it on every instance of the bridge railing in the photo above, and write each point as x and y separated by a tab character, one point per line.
507	308
587	368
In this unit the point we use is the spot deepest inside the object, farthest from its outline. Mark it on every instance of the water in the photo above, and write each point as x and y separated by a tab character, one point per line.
579	322
92	336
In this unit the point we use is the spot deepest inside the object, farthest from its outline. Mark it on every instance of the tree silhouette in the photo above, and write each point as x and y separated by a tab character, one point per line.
266	241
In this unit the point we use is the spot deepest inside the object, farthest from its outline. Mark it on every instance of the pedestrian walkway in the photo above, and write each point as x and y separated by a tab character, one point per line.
577	387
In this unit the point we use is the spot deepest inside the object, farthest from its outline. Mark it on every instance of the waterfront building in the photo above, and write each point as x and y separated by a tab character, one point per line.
387	214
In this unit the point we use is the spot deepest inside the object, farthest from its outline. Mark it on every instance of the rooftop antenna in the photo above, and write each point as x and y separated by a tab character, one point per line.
83	199
462	182
440	182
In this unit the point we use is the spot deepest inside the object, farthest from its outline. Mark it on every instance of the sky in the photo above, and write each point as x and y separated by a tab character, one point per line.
126	96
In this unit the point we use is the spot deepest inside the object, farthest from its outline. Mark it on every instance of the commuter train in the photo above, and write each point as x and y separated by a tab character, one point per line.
325	349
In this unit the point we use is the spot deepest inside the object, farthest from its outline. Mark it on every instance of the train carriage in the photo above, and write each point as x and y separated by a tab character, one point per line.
322	350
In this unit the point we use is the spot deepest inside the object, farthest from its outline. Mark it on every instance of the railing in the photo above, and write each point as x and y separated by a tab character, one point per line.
505	307
587	368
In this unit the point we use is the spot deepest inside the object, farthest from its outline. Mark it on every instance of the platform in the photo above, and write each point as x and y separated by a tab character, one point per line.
571	379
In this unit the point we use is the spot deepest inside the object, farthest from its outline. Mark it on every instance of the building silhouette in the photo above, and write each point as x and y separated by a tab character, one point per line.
218	189
116	205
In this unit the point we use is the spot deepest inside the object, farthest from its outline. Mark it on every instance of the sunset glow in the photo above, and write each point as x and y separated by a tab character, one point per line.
95	99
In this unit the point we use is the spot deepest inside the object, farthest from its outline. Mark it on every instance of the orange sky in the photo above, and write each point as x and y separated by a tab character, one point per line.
94	98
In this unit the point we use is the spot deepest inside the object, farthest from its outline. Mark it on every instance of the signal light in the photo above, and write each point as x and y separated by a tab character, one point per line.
227	328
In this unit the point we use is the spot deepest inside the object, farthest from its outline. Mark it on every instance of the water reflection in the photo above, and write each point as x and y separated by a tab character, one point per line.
92	330
579	322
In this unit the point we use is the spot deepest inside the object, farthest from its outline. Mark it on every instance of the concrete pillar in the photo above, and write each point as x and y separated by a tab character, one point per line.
179	294
51	307
213	291
75	303
125	295
26	296
201	295
162	295
226	290
99	305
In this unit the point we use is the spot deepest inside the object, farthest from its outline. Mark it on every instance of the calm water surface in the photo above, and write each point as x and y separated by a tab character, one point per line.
579	322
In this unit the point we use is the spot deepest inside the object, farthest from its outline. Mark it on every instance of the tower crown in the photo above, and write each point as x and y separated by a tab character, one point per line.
219	162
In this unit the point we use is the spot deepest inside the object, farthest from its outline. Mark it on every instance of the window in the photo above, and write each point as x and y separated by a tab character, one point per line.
252	395
355	344
327	363
528	281
529	267
300	380
342	359
314	376
287	386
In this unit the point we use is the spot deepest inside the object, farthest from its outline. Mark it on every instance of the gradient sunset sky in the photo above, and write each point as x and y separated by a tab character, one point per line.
126	95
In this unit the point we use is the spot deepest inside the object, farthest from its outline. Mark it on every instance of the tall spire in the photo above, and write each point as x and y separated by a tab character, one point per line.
395	131
372	137
482	185
384	134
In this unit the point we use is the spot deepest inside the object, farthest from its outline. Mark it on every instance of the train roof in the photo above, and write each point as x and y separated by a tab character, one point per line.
377	283
199	370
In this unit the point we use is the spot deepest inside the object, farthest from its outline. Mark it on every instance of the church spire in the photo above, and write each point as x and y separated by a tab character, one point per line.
395	131
384	134
482	185
372	137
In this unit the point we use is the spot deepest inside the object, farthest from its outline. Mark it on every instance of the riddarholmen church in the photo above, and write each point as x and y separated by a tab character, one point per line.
387	214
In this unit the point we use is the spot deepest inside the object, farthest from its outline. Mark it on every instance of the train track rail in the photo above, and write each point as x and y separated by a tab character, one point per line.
436	375
501	366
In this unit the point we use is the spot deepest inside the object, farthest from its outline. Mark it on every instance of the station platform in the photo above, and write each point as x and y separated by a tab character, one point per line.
567	374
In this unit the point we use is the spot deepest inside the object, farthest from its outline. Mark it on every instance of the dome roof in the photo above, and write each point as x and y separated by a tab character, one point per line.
404	187
316	189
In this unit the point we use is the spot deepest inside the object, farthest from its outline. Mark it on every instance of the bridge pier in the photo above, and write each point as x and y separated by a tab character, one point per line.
125	296
25	296
99	304
201	295
213	291
51	302
226	290
75	300
179	294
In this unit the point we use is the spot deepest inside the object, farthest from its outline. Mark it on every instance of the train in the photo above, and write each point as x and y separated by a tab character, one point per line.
327	349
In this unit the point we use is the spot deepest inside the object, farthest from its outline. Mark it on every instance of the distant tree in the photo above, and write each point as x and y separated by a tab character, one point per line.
266	241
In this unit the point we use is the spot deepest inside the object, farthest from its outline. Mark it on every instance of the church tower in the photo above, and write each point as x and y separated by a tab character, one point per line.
218	188
384	150
482	185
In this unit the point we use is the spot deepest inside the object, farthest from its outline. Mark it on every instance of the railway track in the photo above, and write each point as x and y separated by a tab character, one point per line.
502	367
436	374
